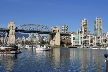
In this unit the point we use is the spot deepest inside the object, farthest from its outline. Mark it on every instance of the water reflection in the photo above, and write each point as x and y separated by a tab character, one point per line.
56	60
6	62
56	57
87	60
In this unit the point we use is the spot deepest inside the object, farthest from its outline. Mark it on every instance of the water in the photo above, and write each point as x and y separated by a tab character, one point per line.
56	60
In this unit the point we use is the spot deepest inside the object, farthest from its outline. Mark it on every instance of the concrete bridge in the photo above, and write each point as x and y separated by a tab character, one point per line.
33	28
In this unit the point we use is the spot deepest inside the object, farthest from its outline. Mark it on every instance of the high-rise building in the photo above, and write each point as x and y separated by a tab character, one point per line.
98	27
64	28
84	26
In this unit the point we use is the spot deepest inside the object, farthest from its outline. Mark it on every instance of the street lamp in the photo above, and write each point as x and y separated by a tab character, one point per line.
106	56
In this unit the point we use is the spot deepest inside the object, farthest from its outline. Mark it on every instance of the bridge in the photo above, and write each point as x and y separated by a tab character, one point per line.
35	28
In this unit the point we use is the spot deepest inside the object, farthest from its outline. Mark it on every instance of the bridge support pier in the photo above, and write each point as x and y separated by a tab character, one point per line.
55	38
11	39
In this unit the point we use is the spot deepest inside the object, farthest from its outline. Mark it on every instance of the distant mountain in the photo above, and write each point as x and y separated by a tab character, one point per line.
21	35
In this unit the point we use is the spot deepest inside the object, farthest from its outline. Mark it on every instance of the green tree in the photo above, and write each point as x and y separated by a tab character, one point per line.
61	42
22	42
43	42
67	43
26	42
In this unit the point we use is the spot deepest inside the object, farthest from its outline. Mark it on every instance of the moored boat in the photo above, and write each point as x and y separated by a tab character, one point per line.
9	50
94	47
45	48
106	48
30	46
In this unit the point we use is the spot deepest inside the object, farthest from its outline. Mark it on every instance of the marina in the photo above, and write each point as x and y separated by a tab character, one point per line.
53	36
31	55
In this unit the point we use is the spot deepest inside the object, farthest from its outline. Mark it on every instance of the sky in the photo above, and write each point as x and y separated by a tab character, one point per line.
54	12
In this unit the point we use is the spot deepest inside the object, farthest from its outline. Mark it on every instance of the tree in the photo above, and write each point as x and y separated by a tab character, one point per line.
67	43
47	42
43	42
26	42
61	42
22	42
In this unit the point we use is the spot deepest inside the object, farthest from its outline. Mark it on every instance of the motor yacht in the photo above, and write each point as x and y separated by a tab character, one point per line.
41	48
9	50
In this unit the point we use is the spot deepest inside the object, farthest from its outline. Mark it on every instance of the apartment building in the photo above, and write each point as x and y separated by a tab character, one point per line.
65	30
84	26
78	39
75	39
98	27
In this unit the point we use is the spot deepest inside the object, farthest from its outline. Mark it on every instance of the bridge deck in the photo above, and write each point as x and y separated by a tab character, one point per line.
33	31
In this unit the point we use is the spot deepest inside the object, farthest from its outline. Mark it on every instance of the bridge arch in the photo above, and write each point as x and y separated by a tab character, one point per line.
37	27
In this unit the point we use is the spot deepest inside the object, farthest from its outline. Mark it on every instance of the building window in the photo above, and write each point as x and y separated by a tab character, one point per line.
73	38
58	30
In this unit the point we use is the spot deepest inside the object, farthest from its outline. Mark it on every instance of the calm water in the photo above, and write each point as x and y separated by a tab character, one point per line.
57	60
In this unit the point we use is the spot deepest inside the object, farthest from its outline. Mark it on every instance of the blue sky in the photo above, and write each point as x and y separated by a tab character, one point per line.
54	12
